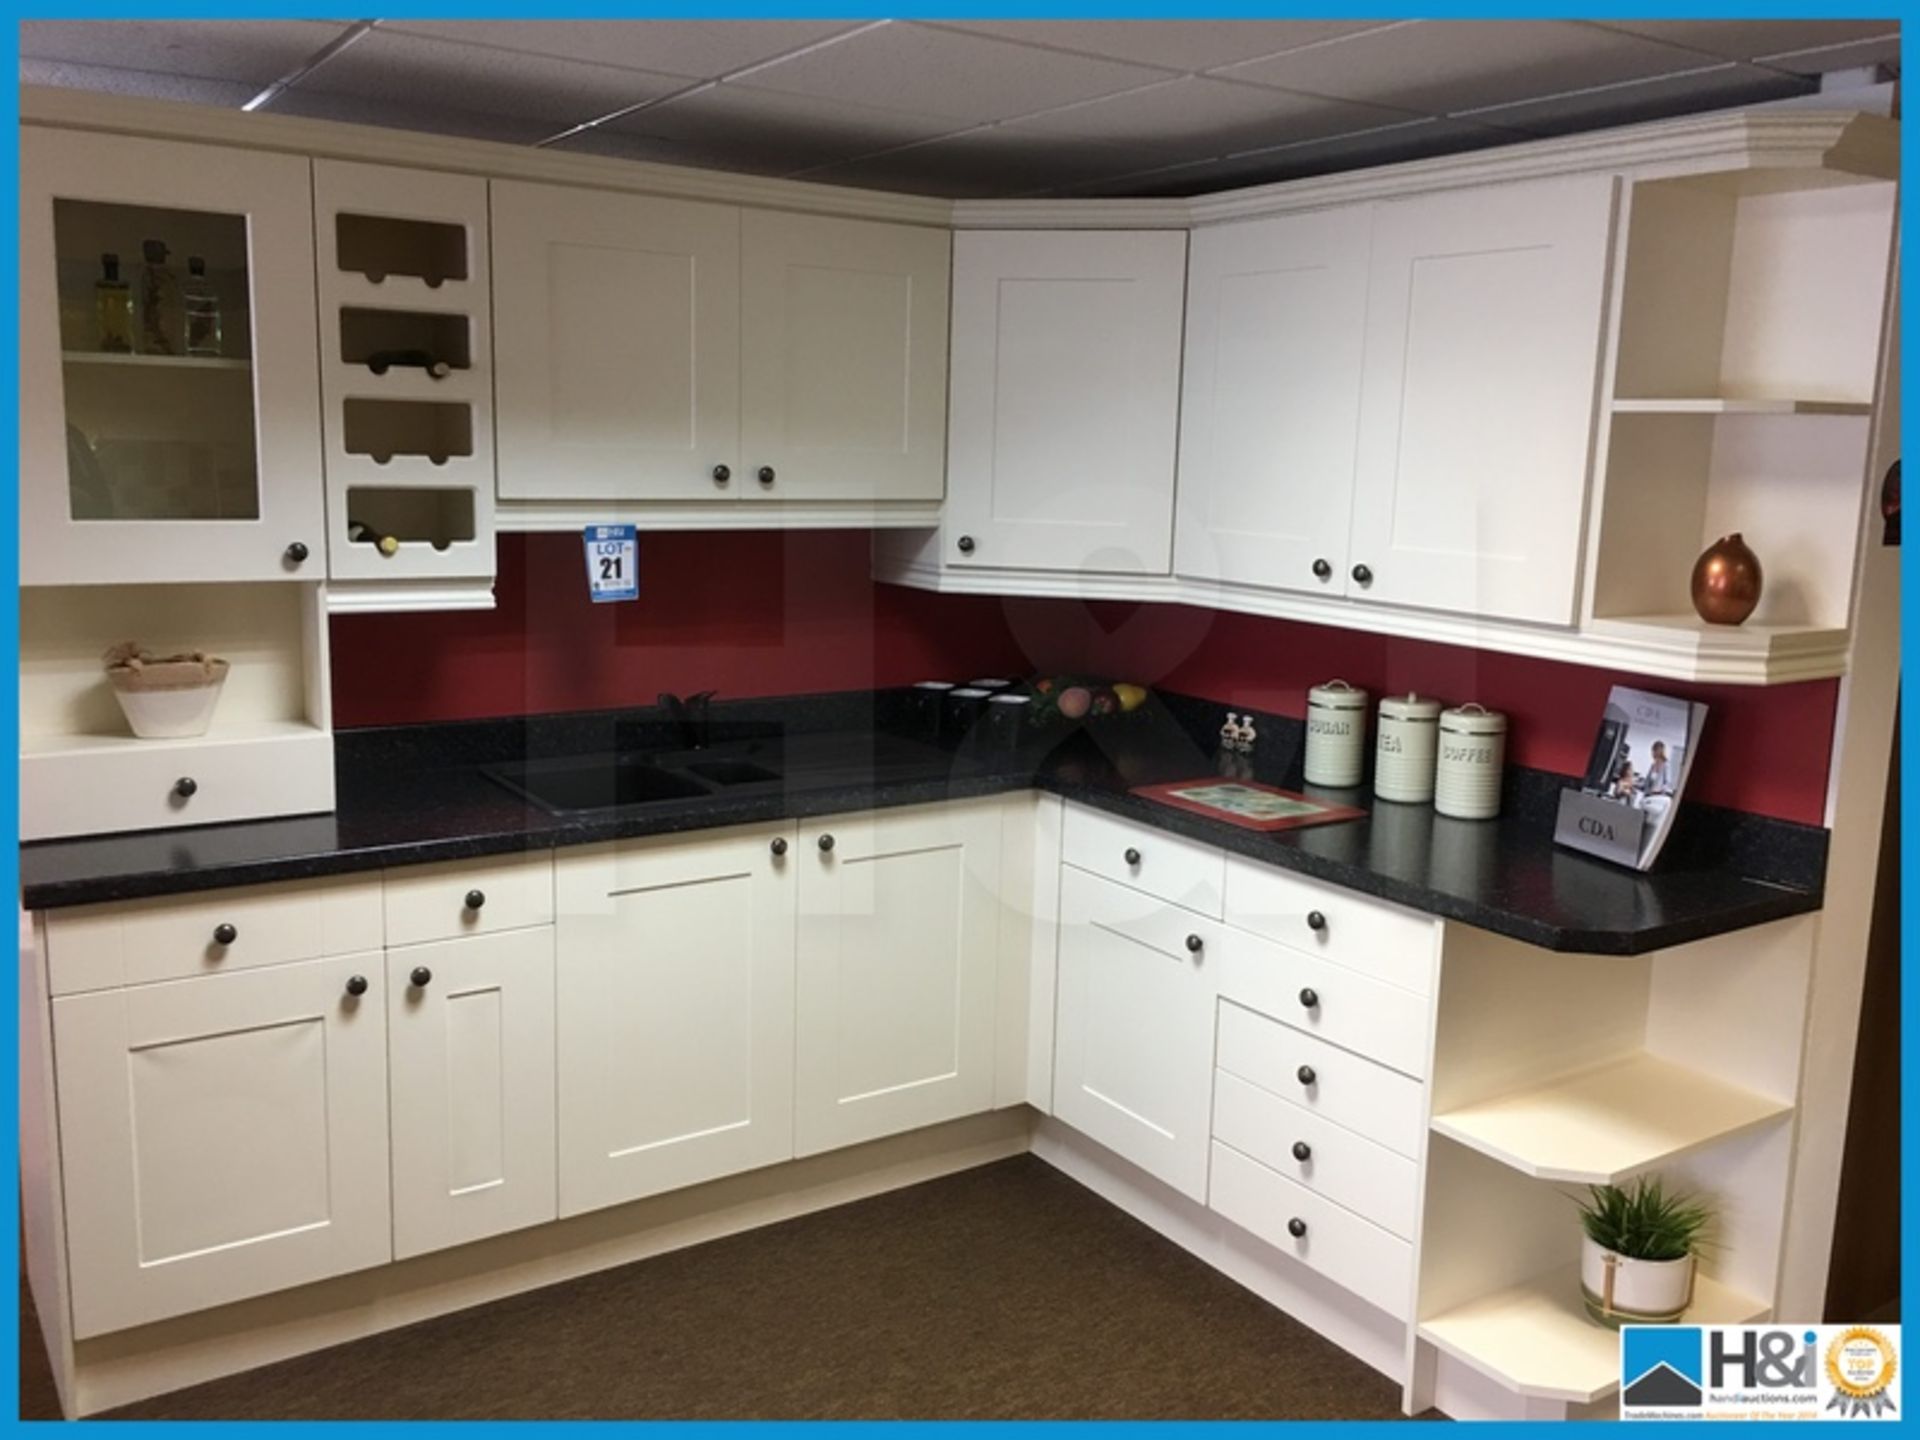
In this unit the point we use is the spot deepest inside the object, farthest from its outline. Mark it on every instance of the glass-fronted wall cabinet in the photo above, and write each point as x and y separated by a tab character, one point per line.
169	385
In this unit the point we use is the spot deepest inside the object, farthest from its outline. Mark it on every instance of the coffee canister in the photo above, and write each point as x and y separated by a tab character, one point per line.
1406	748
1336	734
1473	750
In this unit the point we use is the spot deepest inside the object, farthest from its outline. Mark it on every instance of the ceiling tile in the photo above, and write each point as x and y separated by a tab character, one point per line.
1176	44
1452	65
443	75
111	80
1717	88
397	115
1210	117
1749	39
1884	51
983	164
942	72
699	48
735	128
249	52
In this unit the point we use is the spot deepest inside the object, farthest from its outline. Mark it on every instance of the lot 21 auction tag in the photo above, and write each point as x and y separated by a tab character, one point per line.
613	562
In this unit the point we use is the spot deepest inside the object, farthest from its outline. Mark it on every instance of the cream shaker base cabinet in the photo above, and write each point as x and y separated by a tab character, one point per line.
1133	1049
675	1012
1065	400
222	1137
472	1051
897	951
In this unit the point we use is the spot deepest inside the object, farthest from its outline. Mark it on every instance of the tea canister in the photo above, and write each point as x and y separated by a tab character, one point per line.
1406	748
1473	750
1336	734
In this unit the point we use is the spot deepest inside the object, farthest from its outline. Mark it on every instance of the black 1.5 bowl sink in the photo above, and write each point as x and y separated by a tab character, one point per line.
595	782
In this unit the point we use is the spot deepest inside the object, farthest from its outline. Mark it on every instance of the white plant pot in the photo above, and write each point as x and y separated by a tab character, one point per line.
1645	1292
170	714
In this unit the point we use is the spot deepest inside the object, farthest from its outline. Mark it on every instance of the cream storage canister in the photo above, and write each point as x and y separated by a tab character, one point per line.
1406	746
1336	734
1473	752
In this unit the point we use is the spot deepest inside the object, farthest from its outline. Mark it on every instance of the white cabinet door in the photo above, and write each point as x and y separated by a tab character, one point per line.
1276	319
471	1037
1133	1041
1066	399
616	323
222	1137
676	1012
898	917
1484	327
843	391
149	453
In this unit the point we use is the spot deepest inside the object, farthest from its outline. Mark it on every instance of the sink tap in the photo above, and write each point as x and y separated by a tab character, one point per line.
692	715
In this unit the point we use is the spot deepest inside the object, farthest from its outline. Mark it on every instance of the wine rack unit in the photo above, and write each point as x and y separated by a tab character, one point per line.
407	380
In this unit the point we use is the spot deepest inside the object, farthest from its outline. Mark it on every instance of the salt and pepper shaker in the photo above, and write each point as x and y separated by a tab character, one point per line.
1336	734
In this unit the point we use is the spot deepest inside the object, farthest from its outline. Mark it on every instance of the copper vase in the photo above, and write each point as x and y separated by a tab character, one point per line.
1726	581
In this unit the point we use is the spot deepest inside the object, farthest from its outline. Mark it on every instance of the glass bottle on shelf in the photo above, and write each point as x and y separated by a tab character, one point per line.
202	310
160	313
112	308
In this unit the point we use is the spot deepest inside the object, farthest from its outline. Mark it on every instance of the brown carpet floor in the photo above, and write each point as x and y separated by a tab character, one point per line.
1005	1292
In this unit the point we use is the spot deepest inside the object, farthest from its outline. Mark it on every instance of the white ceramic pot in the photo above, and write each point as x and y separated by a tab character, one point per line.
1645	1292
170	714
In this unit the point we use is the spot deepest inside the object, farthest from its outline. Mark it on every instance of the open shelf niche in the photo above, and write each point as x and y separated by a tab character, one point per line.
1742	401
1556	1071
408	387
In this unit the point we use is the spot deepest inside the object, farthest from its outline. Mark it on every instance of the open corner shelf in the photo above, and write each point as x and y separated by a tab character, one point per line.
1724	406
1681	642
153	362
1535	1338
1600	1125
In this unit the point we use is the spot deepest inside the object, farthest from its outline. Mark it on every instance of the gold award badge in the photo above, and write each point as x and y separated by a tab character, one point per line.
1861	1365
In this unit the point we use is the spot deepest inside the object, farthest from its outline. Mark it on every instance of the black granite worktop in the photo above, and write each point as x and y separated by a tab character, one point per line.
414	795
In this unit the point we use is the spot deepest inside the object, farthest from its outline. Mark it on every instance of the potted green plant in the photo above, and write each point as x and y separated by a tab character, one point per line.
1637	1260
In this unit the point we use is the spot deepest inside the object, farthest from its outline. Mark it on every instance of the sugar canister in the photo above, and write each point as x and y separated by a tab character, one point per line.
1473	750
1406	748
1336	734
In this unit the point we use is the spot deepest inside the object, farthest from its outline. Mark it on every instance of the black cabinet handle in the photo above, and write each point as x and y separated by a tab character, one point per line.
779	845
965	542
1302	1151
186	787
1362	575
722	474
1305	1075
475	899
1322	570
356	985
1195	944
1316	922
224	934
826	843
297	552
1297	1228
1310	998
1132	856
766	475
421	977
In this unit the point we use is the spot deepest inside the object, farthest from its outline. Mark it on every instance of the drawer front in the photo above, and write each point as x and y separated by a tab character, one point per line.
1355	1012
1144	919
1168	867
1348	1169
1353	1253
1350	1090
429	902
1384	941
99	947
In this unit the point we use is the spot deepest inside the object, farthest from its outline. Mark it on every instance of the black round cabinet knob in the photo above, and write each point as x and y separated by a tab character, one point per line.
475	899
766	475
1322	570
965	542
225	934
1132	856
1195	944
779	845
722	474
1302	1151
297	552
1362	575
186	787
356	985
421	977
1310	997
1316	922
1305	1075
1297	1228
826	843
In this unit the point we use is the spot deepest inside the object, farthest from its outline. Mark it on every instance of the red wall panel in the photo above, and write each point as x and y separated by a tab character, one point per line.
766	613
